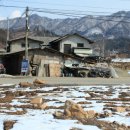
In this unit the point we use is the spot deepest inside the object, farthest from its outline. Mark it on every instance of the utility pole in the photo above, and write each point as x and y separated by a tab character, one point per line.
7	37
103	46
27	31
25	62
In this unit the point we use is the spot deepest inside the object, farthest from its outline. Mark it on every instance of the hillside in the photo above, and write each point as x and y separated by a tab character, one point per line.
112	29
112	26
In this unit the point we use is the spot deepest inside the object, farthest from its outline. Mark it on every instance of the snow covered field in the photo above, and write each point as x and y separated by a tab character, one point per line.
97	98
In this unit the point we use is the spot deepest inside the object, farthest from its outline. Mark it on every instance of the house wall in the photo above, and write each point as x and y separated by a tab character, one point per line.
73	40
49	63
17	45
49	57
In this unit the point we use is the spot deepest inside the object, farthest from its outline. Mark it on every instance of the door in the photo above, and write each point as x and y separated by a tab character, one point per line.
67	48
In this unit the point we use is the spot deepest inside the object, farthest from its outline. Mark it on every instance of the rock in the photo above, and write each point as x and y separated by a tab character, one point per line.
25	84
119	109
74	128
124	125
38	81
91	113
43	106
58	115
84	102
104	125
107	114
127	109
103	115
8	124
35	105
74	111
128	114
37	101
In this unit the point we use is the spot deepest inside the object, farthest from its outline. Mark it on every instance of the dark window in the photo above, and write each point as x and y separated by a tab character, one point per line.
23	45
80	45
67	48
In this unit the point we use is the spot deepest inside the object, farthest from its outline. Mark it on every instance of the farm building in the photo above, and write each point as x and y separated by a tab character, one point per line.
47	55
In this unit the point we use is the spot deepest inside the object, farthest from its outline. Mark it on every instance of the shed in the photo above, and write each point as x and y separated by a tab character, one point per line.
48	61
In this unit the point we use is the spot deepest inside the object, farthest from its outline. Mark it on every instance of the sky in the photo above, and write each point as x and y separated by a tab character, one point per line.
85	7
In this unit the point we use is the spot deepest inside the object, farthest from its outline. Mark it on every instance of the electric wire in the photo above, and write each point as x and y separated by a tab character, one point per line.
44	3
70	14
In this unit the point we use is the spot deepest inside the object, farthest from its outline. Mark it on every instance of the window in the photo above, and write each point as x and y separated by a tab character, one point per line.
80	45
23	45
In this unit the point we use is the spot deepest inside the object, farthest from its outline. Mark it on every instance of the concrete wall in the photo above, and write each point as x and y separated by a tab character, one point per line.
73	40
49	57
17	45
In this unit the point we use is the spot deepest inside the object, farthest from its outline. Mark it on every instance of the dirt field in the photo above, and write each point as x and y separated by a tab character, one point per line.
107	99
65	107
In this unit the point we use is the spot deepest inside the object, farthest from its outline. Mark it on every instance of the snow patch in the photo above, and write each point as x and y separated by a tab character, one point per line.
95	31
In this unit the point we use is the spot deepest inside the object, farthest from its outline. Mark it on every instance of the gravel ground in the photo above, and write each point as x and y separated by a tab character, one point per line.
68	80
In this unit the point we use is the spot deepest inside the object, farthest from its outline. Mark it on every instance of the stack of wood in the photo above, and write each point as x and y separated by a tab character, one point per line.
45	66
49	70
55	70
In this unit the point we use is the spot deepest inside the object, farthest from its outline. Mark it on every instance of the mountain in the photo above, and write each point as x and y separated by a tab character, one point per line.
114	30
110	26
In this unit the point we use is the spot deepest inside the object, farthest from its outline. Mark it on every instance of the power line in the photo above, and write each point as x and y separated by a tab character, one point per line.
65	4
74	11
60	13
72	14
95	12
11	6
55	9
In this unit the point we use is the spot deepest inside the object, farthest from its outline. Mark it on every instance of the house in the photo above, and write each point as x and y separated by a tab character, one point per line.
73	44
47	55
18	44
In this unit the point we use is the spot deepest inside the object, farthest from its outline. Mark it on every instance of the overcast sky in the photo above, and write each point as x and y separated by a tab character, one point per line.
94	7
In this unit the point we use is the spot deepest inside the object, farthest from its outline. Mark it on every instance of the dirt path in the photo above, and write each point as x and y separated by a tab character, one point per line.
68	80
